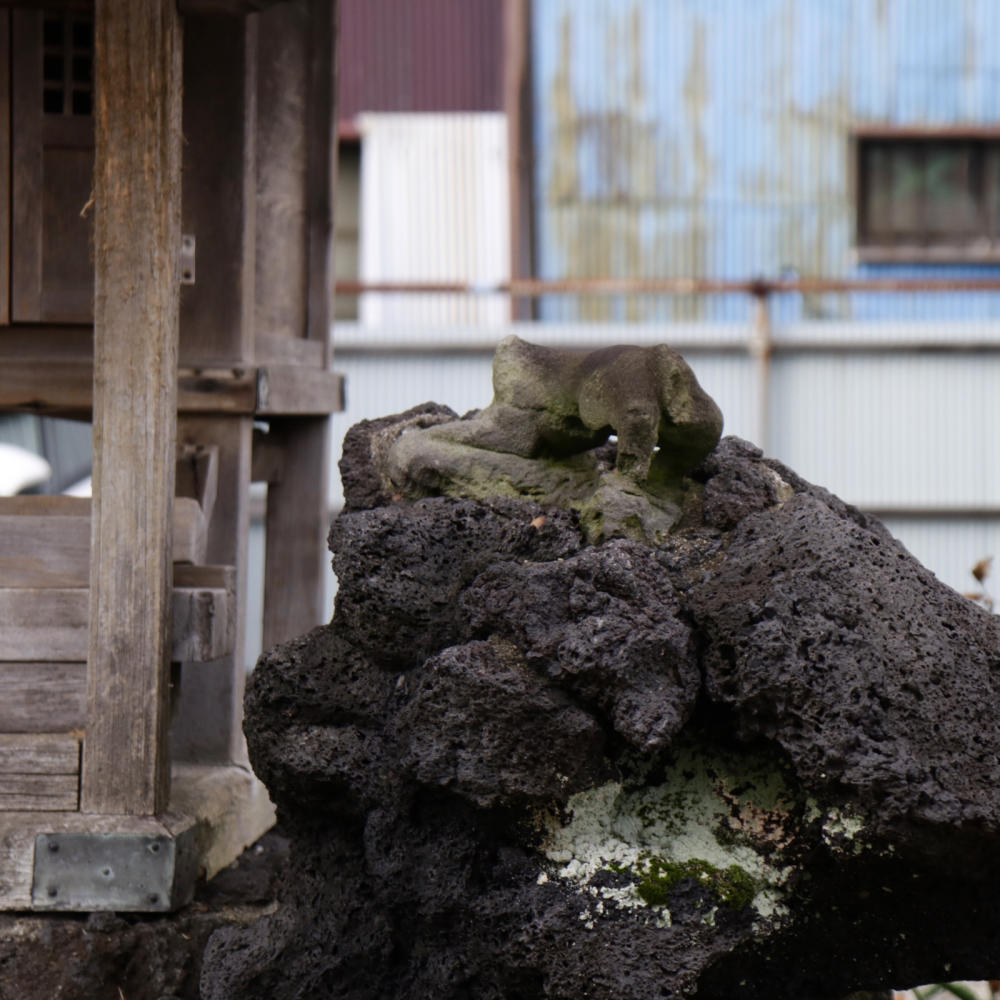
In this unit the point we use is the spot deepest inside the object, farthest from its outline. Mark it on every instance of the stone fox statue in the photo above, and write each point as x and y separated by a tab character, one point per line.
555	402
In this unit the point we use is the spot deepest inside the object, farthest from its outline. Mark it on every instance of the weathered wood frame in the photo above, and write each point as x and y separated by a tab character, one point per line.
137	194
209	364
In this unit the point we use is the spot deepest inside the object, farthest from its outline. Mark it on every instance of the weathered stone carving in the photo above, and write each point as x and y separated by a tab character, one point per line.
757	759
551	409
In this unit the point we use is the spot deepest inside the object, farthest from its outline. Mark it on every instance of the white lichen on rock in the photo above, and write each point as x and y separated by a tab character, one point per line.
843	830
717	817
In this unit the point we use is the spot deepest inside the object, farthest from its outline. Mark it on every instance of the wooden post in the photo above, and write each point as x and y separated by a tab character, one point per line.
297	524
4	174
321	169
217	327
137	192
298	505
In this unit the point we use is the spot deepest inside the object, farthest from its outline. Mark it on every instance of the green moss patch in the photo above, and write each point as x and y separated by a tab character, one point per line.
733	886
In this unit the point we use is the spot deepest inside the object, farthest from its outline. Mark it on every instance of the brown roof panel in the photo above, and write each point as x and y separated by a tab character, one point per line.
436	55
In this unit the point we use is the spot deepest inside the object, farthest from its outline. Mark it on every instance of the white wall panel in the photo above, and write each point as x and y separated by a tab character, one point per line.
950	548
434	207
888	429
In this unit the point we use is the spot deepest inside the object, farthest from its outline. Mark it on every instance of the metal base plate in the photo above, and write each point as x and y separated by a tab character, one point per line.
111	871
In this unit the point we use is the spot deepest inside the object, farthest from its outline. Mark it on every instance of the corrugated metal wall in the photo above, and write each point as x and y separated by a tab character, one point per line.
680	138
434	208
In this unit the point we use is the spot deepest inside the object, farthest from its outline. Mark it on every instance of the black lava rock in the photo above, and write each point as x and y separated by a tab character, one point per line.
495	765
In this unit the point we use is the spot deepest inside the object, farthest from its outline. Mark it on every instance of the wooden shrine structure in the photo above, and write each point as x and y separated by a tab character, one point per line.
166	186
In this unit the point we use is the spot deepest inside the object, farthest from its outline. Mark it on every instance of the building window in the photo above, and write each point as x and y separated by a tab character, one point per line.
68	64
928	198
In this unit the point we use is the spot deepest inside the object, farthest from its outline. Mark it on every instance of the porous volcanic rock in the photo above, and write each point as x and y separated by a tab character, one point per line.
756	760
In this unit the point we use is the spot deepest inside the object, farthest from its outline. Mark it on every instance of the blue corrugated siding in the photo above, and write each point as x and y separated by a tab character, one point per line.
711	138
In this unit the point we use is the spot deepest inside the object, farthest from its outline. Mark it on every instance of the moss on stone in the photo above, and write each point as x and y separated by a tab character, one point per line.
734	887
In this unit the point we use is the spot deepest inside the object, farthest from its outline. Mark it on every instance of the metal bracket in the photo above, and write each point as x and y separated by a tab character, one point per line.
112	871
188	247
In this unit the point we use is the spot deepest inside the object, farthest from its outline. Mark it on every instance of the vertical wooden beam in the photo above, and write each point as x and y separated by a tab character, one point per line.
282	136
4	169
297	507
296	526
220	190
321	169
217	323
137	192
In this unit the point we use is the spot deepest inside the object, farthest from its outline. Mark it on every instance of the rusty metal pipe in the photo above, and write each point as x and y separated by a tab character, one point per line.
534	288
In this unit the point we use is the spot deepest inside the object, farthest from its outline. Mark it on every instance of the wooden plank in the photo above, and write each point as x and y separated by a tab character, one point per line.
5	172
48	342
226	808
44	544
40	803
39	772
52	624
204	577
217	390
42	697
278	350
29	505
49	624
26	174
190	531
220	88
204	622
296	391
224	6
39	792
198	478
66	387
39	753
137	234
46	386
34	786
321	170
45	541
297	524
50	4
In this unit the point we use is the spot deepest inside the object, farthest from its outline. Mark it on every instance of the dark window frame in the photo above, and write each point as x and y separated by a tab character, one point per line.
980	245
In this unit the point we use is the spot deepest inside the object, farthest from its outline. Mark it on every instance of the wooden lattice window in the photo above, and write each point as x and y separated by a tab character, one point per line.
929	197
67	64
